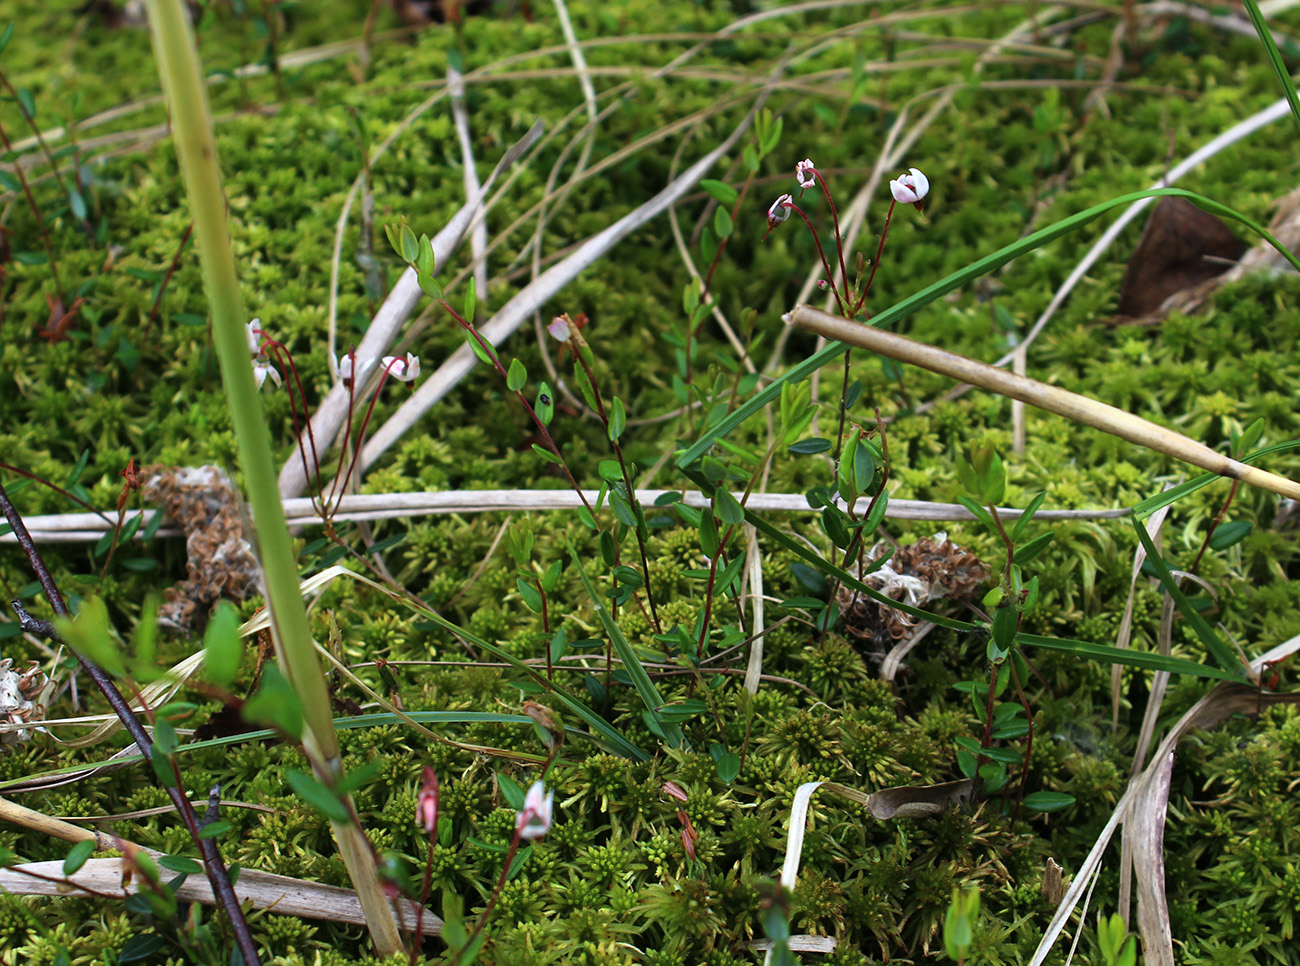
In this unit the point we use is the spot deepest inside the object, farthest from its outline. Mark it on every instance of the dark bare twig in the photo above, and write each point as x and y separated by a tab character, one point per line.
213	864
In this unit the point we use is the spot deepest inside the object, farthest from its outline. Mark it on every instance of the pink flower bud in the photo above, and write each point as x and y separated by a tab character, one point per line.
806	173
823	284
426	805
910	189
535	818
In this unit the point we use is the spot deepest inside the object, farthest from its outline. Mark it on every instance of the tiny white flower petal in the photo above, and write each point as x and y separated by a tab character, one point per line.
805	171
254	332
263	369
920	183
345	366
559	328
779	212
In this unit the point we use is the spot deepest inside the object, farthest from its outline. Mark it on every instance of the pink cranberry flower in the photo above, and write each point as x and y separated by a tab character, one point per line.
405	370
911	189
806	173
536	816
780	210
426	805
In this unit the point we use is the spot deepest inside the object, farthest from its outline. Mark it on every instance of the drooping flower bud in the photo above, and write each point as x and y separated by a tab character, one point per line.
780	210
806	173
426	804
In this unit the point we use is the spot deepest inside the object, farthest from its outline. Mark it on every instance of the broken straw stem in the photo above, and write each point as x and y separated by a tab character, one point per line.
1071	405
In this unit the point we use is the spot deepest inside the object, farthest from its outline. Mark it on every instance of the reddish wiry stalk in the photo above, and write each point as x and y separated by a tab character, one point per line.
835	219
628	482
713	267
830	272
361	434
489	351
285	359
36	213
162	286
496	891
875	262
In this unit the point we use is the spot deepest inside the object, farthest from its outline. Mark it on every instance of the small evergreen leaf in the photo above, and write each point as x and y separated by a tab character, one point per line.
722	222
528	592
1227	534
728	508
223	648
546	454
728	767
424	259
517	375
318	796
77	856
511	791
429	285
1048	801
140	946
617	419
721	192
471	301
181	864
477	348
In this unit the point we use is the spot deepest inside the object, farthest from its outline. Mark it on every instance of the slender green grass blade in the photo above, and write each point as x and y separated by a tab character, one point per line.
645	688
1221	653
340	724
1151	504
1274	59
1115	655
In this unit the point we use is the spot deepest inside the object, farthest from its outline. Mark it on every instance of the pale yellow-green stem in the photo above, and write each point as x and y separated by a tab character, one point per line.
182	81
1071	405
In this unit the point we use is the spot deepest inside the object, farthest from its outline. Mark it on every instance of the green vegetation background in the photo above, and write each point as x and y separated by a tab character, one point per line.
612	884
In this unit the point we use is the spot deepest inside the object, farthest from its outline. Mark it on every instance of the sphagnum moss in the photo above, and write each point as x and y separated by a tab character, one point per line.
289	173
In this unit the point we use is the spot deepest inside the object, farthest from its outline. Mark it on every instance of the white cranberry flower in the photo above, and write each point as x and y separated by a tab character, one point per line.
806	173
263	369
559	328
348	369
535	818
910	189
405	370
780	210
255	335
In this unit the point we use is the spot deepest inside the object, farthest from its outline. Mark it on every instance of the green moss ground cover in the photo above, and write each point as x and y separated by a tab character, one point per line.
612	882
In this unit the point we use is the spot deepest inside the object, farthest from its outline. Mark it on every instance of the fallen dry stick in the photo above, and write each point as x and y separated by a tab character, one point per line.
1071	405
